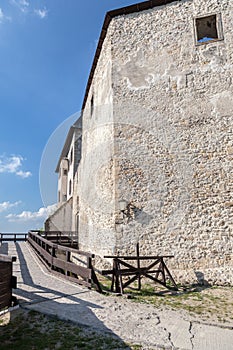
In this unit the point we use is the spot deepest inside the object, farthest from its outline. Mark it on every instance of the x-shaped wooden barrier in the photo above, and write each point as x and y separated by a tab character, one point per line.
157	271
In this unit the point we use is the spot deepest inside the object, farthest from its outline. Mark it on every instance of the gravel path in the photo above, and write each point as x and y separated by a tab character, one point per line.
132	322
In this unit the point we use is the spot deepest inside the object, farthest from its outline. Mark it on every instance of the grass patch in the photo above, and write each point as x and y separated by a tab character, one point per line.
202	301
212	302
30	330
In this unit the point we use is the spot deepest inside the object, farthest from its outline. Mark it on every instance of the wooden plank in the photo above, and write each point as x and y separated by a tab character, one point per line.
60	247
6	289
47	256
5	275
5	258
72	267
67	266
129	272
5	265
107	272
6	237
126	284
124	257
73	279
95	281
5	298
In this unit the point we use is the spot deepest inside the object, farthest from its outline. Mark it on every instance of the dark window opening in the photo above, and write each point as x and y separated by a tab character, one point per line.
92	104
70	187
71	156
206	29
65	172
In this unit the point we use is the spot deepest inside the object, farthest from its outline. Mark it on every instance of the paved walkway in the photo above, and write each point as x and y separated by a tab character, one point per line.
132	322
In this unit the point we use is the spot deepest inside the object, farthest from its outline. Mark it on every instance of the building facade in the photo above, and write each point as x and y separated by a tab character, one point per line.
157	140
63	218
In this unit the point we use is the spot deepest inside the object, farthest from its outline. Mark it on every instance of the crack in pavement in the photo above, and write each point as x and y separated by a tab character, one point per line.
191	334
169	335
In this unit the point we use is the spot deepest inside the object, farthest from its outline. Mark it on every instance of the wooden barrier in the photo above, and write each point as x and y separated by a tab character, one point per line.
13	237
154	269
58	258
64	238
7	281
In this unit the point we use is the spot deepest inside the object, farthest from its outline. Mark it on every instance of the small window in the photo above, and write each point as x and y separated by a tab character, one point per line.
65	172
70	187
92	104
71	156
208	29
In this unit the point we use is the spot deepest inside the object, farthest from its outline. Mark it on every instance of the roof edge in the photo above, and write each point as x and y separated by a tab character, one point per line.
66	146
142	6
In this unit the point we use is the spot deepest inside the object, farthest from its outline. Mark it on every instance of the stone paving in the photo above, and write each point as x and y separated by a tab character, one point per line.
134	323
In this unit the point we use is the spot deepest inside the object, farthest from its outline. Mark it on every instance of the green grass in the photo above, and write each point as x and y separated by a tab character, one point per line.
35	331
197	300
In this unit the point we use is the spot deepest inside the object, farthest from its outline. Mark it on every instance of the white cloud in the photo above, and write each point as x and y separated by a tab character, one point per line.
13	165
23	5
42	13
28	8
24	174
3	17
7	205
42	213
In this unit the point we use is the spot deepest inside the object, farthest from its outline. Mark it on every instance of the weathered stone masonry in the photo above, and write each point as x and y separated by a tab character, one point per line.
157	136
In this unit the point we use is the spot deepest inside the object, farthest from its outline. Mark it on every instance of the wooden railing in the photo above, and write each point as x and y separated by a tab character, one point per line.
13	237
65	238
59	259
128	269
7	281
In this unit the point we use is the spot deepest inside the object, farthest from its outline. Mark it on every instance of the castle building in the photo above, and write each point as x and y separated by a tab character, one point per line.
157	139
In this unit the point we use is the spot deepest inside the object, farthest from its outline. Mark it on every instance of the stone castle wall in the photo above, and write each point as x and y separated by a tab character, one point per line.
96	173
161	138
173	109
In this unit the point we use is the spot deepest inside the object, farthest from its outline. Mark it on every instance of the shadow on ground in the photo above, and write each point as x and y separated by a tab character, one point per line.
52	302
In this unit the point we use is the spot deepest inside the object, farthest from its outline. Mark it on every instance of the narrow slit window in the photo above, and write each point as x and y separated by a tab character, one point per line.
92	104
208	29
70	187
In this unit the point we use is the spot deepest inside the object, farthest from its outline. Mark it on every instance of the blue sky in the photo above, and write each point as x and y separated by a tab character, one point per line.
46	52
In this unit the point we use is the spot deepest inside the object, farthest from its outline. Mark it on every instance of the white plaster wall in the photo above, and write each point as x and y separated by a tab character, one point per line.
61	220
62	180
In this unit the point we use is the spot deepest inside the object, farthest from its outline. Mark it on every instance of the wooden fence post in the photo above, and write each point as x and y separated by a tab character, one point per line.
68	254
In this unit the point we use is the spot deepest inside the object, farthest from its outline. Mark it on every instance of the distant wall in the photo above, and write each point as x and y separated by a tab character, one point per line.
61	220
